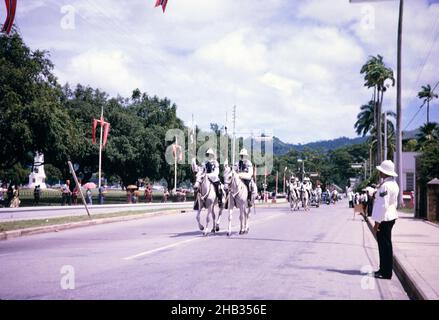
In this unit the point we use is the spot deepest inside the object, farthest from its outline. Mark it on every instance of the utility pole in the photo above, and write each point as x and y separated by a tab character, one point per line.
398	160
100	146
385	135
234	133
399	107
277	179
175	165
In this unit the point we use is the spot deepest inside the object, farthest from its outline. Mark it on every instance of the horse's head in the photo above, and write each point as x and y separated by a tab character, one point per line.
228	175
199	178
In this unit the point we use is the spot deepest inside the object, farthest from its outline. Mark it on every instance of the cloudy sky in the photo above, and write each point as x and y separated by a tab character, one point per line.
291	67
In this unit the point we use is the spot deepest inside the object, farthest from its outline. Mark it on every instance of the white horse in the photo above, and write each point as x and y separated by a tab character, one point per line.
292	198
206	199
304	198
237	197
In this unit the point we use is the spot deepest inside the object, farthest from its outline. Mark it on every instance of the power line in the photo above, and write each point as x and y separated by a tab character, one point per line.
422	64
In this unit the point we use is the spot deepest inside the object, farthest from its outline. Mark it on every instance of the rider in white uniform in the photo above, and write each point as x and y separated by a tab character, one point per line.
307	184
244	168
211	167
293	186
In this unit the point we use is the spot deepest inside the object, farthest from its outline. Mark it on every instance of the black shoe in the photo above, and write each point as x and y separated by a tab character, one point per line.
381	276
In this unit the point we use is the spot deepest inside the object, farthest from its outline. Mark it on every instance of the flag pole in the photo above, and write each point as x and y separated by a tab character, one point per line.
100	146
175	165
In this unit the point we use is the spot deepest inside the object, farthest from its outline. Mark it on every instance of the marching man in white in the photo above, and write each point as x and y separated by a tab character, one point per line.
244	168
211	167
384	214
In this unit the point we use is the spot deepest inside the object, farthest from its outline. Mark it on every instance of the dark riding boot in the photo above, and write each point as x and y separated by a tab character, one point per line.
249	193
196	204
219	193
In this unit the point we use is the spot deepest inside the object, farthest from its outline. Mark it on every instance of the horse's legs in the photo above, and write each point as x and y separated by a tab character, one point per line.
241	218
229	232
247	218
218	220
209	212
213	219
200	226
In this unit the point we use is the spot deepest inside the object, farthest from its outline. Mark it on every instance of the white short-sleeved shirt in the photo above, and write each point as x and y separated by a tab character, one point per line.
386	201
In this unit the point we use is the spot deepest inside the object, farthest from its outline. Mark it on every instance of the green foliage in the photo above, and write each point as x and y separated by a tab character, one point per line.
429	163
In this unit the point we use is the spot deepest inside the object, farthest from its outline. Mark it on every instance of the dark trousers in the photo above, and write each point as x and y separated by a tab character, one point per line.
384	238
369	207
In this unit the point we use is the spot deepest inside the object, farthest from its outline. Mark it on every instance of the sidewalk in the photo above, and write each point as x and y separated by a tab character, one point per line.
416	255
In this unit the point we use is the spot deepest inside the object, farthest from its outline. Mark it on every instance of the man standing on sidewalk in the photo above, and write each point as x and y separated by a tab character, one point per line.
384	214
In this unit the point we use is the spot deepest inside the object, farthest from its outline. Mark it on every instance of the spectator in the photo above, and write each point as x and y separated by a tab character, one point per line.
75	193
371	190
101	194
66	194
37	195
135	196
2	195
89	196
165	195
15	203
351	198
10	194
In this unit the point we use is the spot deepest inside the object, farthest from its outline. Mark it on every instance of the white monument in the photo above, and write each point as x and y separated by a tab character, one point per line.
38	177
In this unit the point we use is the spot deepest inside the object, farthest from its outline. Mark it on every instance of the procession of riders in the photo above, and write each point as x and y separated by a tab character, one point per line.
239	190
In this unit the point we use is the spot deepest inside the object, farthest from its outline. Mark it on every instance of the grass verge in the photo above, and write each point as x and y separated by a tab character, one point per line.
24	224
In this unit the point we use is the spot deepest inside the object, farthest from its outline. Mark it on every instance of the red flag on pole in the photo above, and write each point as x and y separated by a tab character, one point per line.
162	3
93	132
106	130
11	6
177	152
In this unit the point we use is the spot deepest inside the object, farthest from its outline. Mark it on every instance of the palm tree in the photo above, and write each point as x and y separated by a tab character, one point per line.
391	142
427	94
376	75
428	133
365	119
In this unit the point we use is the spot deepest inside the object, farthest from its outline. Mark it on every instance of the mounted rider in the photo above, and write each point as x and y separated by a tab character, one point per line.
244	168
211	168
307	185
293	186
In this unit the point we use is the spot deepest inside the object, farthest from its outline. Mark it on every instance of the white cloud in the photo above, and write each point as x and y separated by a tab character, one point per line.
292	67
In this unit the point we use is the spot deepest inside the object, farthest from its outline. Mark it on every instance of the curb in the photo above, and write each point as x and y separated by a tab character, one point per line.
7	235
405	277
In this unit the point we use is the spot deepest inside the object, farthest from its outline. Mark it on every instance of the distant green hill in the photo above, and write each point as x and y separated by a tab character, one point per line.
281	148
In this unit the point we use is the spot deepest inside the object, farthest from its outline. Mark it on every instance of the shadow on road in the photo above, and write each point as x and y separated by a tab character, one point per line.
348	272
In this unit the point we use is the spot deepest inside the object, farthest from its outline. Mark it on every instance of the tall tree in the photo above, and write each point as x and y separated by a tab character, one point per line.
427	94
31	116
377	75
428	134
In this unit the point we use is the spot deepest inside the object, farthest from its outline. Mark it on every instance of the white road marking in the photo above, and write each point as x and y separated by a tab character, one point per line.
172	245
175	244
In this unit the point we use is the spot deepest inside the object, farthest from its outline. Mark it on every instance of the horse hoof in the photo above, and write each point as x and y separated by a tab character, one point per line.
217	228
229	234
201	228
213	231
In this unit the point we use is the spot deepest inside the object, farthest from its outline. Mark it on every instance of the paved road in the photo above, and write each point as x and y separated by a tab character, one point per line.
316	255
26	213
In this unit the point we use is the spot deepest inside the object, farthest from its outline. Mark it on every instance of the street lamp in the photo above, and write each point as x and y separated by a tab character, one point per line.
285	170
398	160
